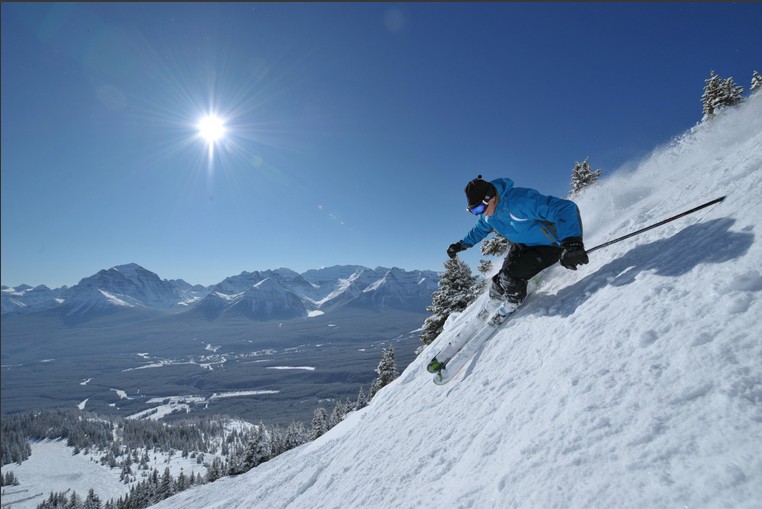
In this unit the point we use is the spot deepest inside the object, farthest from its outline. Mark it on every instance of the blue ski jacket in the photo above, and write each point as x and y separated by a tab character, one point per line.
524	216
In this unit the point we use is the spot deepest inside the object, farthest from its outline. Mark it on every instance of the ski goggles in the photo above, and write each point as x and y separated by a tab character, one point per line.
479	208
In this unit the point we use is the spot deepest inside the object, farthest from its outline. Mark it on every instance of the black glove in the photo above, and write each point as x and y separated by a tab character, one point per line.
454	249
574	253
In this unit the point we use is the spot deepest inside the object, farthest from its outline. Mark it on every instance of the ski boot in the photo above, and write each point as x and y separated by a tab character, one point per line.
435	366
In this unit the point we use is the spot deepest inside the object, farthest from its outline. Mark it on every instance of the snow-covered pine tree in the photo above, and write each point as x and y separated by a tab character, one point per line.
258	449
338	414
296	435
711	96
583	176
277	441
75	501
9	479
756	82
319	423
733	93
495	246
182	481
362	399
387	371
719	93
92	501
455	293
166	485
215	471
484	268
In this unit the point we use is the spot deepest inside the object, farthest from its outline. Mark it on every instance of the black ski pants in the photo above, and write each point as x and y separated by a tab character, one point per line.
525	262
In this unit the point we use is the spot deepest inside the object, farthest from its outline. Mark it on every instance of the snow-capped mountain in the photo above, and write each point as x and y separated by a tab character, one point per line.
400	290
283	293
123	286
259	295
633	382
25	299
269	300
188	292
350	284
253	297
244	281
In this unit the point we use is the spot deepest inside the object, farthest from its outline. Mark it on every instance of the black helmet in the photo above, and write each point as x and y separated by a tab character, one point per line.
478	191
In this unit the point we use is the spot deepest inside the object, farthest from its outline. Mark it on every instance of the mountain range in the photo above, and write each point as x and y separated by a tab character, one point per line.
202	340
260	295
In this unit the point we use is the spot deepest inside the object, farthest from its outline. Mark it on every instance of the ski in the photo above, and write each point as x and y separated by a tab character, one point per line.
472	345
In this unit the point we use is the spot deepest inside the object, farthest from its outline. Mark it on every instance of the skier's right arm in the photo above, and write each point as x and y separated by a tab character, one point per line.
477	233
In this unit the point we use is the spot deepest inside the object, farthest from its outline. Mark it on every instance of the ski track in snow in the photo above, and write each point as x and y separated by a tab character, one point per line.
634	382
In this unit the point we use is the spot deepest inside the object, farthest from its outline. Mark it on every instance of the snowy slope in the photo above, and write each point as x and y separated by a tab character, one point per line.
633	382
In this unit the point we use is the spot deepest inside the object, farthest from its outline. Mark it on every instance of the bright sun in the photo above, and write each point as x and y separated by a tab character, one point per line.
211	128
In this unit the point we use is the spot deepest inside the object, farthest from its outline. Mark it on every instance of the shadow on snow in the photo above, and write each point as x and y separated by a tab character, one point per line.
710	242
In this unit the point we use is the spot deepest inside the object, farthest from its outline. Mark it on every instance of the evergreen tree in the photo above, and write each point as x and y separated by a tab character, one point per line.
338	414
235	462
485	267
719	93
182	482
125	475
258	449
215	470
362	400
296	435
495	246
319	423
277	442
756	82
92	501
733	93
711	95
583	176
9	479
387	371
152	487
455	293
166	486
75	501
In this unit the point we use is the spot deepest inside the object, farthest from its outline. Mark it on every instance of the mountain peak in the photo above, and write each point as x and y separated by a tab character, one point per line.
130	269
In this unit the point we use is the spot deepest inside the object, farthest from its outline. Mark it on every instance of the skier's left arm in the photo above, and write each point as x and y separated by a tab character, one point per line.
564	214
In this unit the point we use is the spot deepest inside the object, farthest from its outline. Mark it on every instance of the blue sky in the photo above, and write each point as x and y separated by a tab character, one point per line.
352	128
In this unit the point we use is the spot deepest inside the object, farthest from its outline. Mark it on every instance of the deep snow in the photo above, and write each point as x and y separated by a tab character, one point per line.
633	382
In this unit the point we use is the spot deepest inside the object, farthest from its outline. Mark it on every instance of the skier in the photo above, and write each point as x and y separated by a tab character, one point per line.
542	230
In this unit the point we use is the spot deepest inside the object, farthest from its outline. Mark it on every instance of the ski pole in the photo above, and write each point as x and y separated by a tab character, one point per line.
678	216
